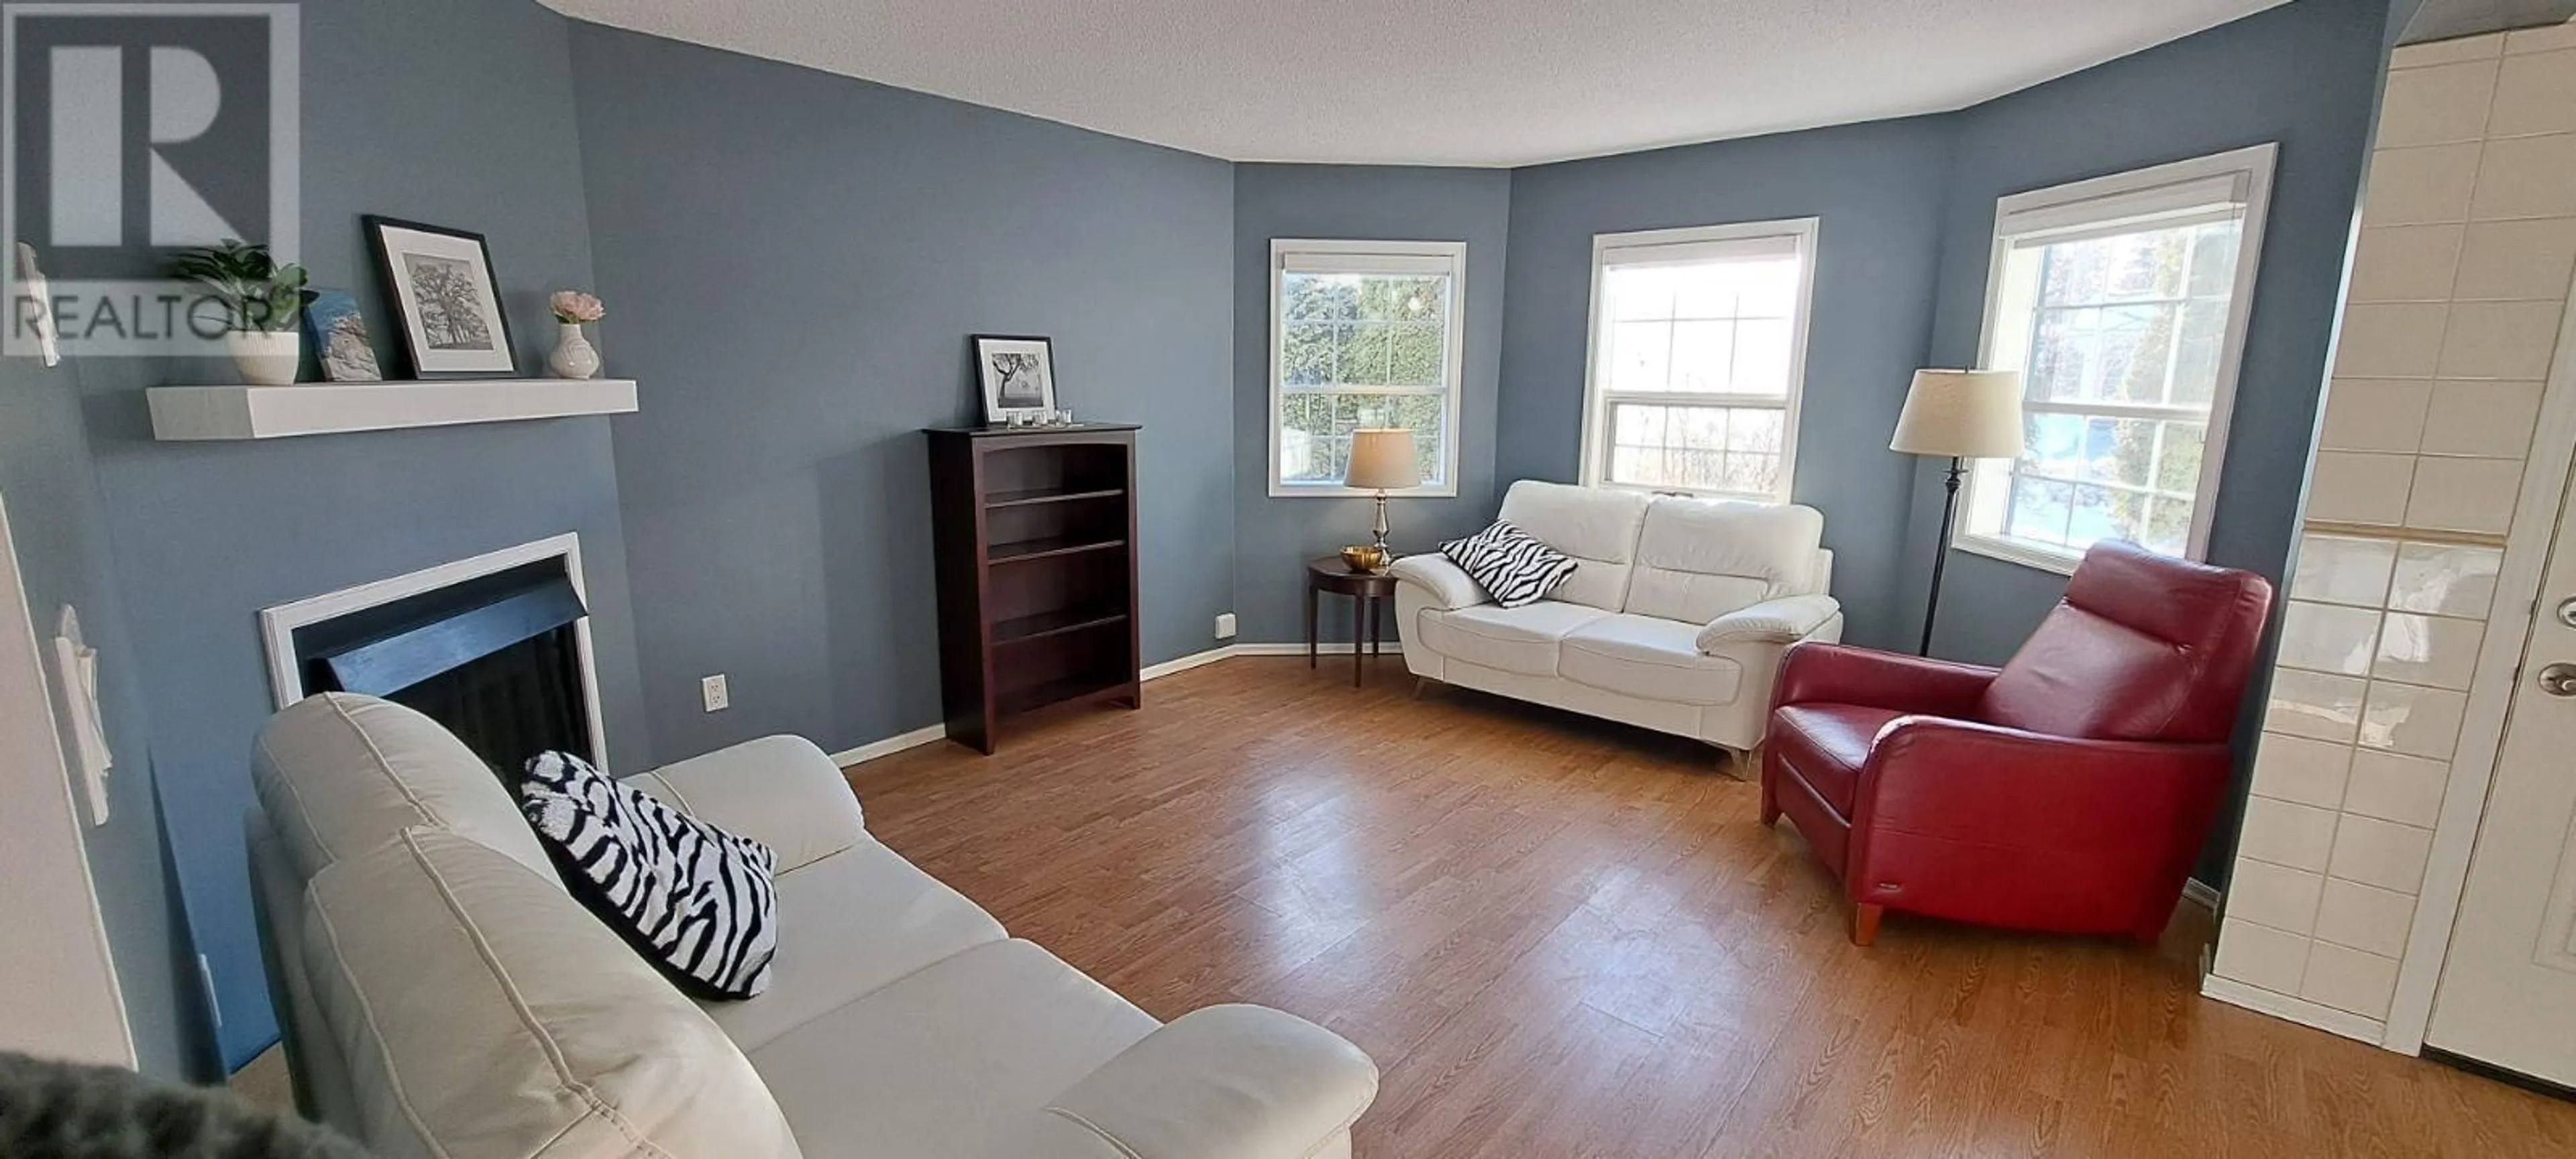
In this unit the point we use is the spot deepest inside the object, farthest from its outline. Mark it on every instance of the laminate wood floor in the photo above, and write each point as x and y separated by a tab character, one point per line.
1560	937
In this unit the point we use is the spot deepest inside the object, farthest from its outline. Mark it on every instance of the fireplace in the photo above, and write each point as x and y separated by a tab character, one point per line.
496	648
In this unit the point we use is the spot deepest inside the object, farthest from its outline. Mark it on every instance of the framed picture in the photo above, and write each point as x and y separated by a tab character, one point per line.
445	300
1018	374
340	340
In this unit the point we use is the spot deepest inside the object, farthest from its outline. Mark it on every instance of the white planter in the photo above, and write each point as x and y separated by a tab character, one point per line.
573	356
266	357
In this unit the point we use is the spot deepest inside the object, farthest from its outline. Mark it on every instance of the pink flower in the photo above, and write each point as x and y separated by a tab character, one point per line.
577	306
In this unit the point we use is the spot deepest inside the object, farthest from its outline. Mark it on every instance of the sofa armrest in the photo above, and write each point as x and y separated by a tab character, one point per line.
780	791
1841	674
1785	620
1226	1082
1445	584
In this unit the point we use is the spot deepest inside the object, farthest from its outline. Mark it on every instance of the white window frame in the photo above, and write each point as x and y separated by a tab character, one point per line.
1455	254
1597	398
2062	208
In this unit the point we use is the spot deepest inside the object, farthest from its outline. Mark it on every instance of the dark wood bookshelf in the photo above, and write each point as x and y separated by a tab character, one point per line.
1033	535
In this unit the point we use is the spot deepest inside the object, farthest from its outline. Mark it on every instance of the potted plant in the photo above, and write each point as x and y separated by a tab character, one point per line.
263	300
573	356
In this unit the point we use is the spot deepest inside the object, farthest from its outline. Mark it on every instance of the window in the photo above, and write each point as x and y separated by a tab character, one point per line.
1699	350
1363	334
2122	301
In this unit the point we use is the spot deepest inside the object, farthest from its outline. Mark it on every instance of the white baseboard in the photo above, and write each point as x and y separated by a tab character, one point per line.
890	745
1327	648
922	736
2299	1010
1185	663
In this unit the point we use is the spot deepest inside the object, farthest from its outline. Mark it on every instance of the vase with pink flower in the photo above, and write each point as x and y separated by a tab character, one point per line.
573	356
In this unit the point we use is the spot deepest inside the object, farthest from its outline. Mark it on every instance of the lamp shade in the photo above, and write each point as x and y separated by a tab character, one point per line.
1382	460
1967	414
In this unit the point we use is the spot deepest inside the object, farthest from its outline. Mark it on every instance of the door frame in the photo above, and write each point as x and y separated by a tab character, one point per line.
31	737
2545	487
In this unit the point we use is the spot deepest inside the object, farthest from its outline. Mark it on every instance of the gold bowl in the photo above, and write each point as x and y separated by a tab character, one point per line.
1364	558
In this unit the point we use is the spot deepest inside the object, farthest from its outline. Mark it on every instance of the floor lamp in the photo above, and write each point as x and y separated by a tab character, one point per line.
1958	415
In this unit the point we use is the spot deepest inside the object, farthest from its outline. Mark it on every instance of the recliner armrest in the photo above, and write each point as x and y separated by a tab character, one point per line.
1226	1082
1814	673
781	791
1785	620
1447	585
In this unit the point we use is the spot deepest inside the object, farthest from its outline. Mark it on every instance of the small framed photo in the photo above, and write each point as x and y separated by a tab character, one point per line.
339	335
1018	374
446	303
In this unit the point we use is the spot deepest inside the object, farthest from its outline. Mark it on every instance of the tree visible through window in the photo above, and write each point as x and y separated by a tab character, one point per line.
1365	337
2121	307
1697	349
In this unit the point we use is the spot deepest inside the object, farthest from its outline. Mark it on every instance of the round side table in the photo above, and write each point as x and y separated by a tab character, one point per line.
1366	590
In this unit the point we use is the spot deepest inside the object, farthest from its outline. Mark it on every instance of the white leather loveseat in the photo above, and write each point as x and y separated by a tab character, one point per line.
444	996
1674	620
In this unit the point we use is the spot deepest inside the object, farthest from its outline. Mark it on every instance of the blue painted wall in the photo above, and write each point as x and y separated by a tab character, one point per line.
793	262
1275	537
1876	187
204	535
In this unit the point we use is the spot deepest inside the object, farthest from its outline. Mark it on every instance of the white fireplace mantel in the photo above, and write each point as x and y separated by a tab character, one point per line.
190	413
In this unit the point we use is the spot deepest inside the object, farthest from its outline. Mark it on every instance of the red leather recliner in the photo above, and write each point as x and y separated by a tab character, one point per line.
2069	790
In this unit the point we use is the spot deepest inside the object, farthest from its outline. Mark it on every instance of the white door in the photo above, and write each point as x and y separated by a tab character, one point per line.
2508	991
58	992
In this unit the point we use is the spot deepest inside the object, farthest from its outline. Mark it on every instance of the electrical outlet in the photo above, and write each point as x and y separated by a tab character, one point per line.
1225	626
712	691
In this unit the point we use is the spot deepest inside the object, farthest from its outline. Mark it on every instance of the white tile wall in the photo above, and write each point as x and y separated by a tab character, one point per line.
2493	419
2365	917
2328	637
2407	263
2314	705
2472	495
2349	979
2391	340
2466	254
2283	833
2505	259
2381	853
2414	186
2404	718
2393	787
2342	569
2376	414
2526	177
2449	579
2439	651
2258	954
2301	770
2350	487
2275	895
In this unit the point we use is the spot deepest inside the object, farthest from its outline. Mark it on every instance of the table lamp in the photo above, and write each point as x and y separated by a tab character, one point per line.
1961	415
1382	461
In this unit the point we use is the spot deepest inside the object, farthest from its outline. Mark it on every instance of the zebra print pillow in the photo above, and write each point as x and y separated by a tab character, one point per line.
1509	564
694	900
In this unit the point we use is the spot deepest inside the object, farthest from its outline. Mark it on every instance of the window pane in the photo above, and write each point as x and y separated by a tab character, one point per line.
1640	357
2123	323
2039	510
1714	322
1362	350
1306	354
1762	357
1419	354
1716	448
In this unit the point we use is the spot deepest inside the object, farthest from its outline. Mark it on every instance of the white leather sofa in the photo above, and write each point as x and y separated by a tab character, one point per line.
444	996
1674	620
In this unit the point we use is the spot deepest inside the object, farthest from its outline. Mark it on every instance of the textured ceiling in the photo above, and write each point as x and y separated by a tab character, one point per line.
1442	82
